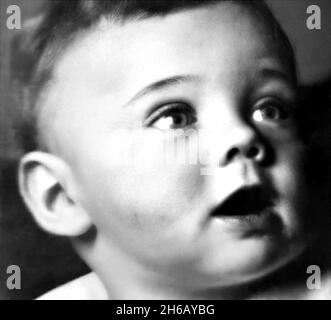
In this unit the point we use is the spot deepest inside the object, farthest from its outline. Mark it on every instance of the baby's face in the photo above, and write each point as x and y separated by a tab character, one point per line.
211	69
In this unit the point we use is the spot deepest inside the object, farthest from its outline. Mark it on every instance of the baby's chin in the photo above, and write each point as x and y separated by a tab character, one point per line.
243	261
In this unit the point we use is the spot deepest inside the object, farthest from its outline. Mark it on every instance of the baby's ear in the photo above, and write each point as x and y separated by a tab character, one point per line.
47	187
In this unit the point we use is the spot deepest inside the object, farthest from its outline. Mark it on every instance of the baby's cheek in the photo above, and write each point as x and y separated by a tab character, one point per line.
170	188
151	211
290	161
152	196
289	179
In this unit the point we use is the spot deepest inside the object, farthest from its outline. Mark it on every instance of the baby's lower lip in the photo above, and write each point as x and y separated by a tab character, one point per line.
261	222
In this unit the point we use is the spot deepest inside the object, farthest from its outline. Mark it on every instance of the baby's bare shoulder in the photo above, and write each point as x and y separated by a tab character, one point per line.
87	287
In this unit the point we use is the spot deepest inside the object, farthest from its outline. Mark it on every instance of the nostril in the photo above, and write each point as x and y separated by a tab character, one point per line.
233	153
253	152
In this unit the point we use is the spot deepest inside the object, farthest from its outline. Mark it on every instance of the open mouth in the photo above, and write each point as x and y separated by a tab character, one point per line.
246	201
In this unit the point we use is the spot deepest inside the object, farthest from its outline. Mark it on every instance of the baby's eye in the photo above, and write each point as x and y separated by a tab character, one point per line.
271	111
172	116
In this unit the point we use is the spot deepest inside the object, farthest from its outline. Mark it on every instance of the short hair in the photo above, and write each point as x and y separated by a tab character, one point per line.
62	20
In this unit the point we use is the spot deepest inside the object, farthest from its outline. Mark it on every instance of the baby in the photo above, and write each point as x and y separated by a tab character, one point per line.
112	81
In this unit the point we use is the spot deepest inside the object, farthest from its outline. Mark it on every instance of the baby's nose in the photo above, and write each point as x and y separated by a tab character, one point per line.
242	143
236	139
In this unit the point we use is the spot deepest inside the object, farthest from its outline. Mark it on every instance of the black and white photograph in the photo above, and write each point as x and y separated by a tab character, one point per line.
165	150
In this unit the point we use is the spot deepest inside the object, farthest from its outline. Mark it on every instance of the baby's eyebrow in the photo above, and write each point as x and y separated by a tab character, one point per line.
161	85
276	74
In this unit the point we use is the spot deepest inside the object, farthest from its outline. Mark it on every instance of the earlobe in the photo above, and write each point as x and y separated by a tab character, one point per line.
47	187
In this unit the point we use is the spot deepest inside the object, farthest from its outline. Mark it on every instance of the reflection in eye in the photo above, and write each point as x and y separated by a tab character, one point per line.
270	112
173	116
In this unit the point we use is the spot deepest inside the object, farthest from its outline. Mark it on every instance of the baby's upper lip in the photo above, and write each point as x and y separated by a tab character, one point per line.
245	200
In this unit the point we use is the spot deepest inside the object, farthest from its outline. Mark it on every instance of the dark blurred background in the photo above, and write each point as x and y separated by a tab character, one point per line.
47	261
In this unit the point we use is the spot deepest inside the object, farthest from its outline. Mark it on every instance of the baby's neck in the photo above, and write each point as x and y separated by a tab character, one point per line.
128	280
135	292
147	286
293	290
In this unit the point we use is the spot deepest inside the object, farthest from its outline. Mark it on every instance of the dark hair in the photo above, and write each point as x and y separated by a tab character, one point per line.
64	19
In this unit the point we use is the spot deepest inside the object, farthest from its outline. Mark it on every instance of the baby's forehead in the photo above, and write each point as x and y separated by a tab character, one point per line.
228	24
